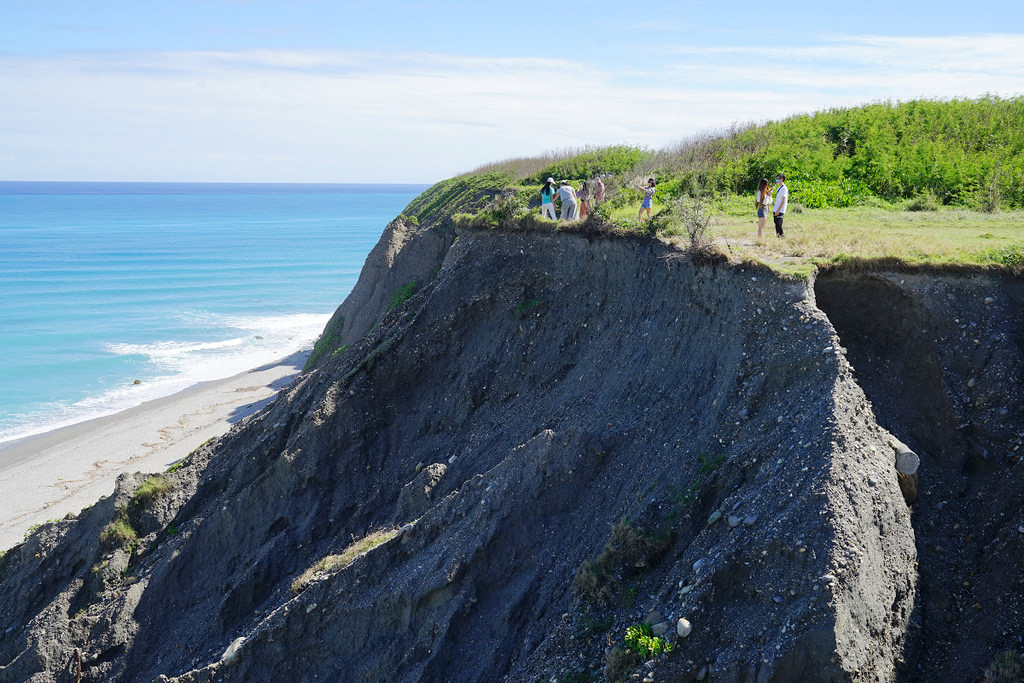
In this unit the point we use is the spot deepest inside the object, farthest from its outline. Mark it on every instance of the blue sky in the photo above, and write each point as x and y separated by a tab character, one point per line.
416	91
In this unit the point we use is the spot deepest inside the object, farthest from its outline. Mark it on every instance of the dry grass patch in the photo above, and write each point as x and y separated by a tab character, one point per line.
333	563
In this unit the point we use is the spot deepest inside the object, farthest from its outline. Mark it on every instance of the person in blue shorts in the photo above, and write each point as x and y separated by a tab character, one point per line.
648	200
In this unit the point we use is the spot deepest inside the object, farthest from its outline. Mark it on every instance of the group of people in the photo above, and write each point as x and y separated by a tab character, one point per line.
577	202
763	200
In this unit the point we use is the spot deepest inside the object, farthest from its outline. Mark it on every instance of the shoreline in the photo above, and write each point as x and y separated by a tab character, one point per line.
47	476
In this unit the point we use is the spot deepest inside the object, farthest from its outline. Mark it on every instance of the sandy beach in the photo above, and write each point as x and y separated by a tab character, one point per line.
50	475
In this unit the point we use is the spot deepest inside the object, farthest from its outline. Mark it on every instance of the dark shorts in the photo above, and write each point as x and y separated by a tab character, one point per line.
762	213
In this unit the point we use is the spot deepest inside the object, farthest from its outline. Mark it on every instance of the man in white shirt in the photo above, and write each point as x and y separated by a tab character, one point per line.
781	202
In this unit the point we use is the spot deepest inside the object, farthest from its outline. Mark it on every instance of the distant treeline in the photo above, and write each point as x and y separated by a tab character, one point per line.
958	152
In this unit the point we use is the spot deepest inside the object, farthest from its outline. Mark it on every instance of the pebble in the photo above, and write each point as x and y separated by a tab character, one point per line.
660	629
698	564
1021	528
750	520
989	300
702	674
715	516
683	627
971	382
734	520
777	598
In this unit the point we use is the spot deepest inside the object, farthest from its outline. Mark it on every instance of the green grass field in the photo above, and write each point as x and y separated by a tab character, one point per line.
856	237
914	238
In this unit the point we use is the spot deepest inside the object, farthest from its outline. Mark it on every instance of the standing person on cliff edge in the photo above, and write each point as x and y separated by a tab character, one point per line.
762	200
598	189
547	199
584	196
781	202
568	197
648	200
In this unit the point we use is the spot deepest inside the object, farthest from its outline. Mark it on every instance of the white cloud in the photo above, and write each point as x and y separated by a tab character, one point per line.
319	115
908	66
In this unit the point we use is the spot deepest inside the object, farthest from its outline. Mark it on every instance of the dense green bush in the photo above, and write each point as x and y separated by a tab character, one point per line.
959	152
641	640
963	152
588	163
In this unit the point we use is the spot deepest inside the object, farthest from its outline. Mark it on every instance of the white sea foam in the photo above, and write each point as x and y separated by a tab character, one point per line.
168	367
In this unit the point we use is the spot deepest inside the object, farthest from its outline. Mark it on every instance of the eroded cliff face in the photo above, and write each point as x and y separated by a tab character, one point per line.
540	394
940	358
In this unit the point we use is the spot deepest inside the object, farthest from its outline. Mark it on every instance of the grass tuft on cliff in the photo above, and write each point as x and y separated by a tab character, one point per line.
336	562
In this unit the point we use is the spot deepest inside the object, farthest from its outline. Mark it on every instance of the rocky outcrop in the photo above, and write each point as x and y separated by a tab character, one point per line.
405	253
556	437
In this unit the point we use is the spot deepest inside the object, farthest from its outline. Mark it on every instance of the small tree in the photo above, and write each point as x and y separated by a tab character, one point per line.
695	216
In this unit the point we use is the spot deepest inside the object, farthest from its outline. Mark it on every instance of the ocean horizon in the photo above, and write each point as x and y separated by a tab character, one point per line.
115	294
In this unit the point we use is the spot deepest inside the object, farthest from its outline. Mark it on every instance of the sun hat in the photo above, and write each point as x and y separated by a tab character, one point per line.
550	180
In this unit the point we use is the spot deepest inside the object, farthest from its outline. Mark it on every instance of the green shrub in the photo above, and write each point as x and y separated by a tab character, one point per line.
630	549
151	488
1005	668
527	305
641	640
327	343
923	202
118	533
1010	255
510	206
403	294
619	664
592	161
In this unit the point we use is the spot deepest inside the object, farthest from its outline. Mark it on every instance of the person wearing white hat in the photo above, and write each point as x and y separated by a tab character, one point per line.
547	196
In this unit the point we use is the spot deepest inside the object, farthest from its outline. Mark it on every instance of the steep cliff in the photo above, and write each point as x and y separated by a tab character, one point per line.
557	437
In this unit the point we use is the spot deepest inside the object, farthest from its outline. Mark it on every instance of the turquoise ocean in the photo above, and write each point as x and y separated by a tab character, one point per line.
113	294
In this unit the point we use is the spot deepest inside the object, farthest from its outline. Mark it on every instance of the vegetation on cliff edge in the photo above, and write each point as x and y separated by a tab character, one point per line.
912	183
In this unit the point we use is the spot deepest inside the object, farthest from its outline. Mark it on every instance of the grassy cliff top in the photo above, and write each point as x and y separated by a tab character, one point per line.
919	183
